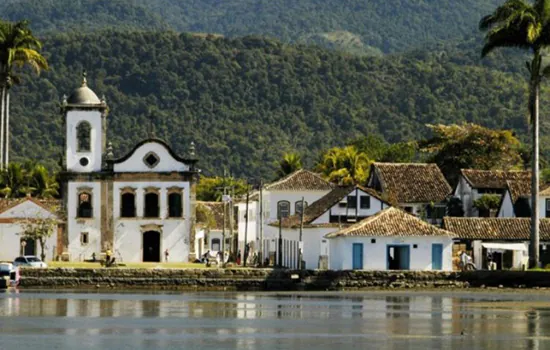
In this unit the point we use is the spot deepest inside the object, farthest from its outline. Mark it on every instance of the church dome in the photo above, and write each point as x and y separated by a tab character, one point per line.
83	95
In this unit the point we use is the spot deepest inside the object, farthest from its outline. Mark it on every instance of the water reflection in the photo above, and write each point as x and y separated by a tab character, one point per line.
273	321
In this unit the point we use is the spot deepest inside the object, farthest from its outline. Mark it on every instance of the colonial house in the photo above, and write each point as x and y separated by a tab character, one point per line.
15	215
339	208
516	201
473	184
391	240
418	188
506	240
280	199
138	205
212	225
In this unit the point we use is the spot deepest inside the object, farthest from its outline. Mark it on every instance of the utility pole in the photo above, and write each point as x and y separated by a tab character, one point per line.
232	248
301	242
261	225
246	252
280	255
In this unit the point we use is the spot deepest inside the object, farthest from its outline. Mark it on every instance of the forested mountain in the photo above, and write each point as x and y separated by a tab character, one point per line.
359	26
247	101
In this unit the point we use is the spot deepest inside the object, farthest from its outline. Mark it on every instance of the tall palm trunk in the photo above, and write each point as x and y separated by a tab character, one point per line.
2	119
7	131
535	90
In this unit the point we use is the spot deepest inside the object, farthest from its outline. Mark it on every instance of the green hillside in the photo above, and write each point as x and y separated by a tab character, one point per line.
247	101
387	25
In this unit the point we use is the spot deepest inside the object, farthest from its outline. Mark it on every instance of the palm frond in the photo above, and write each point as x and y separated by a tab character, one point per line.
505	37
502	13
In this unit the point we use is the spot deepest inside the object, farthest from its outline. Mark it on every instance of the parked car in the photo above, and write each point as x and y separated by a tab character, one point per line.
10	274
29	261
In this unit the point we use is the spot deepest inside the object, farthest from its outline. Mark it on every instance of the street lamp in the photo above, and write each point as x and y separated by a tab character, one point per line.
23	245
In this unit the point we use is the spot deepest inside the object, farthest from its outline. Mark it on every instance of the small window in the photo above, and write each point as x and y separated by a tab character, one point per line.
408	209
128	205
373	240
175	208
83	135
85	209
283	209
151	205
352	202
365	202
84	238
415	246
548	205
342	205
298	207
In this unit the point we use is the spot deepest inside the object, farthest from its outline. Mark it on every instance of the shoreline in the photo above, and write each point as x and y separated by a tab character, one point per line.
276	280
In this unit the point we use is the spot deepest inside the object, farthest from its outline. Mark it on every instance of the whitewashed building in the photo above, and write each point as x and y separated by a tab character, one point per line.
391	240
211	226
418	188
473	184
282	198
14	214
339	208
139	205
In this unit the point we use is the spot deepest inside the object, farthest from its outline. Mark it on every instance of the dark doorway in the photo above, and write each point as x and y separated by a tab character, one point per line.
30	246
151	246
398	257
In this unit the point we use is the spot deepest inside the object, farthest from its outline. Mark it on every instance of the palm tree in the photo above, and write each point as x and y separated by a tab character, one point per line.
289	164
18	47
345	166
44	185
518	23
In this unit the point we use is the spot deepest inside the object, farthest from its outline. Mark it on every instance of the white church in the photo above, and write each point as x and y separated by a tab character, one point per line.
138	206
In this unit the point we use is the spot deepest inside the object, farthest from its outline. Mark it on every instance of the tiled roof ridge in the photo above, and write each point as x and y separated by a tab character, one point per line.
296	173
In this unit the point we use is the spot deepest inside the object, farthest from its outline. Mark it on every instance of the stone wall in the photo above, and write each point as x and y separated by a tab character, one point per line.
274	280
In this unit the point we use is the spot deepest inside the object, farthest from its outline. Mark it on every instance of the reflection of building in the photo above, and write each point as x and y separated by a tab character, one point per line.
138	205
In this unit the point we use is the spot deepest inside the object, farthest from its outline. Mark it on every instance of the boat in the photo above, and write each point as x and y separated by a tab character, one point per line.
9	275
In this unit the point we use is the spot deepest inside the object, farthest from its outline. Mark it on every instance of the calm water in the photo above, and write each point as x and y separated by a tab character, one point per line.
84	320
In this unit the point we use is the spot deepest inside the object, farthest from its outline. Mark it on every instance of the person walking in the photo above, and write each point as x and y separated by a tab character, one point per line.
166	254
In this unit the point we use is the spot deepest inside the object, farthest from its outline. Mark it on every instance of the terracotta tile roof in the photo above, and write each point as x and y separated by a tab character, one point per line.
493	178
301	180
216	208
323	204
411	182
522	189
494	228
391	222
51	205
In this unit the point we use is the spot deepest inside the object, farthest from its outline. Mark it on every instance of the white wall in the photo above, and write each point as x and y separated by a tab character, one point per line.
135	163
75	226
467	195
375	254
10	238
507	208
274	197
542	206
73	118
376	206
128	238
27	209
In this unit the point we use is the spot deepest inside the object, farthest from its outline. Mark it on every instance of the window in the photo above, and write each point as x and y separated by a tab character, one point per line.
298	207
548	208
84	238
151	159
352	202
85	209
365	202
342	205
408	209
283	209
151	205
175	209
128	205
83	135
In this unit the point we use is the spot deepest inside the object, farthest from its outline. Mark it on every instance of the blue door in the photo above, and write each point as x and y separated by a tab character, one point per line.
357	256
405	259
437	256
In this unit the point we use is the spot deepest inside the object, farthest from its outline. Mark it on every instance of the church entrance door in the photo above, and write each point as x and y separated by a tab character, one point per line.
151	246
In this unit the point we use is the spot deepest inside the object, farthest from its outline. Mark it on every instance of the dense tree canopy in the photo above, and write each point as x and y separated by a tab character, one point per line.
246	101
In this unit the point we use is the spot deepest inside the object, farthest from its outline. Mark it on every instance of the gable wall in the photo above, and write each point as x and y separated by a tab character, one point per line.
136	164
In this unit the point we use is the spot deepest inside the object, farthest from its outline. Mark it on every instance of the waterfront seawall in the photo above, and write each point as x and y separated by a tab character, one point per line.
274	280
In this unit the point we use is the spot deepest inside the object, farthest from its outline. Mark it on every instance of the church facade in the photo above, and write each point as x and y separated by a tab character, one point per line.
138	206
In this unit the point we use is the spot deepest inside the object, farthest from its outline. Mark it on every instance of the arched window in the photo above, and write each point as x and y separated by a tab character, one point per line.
84	137
85	209
128	205
175	208
151	205
283	209
298	207
216	245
